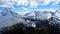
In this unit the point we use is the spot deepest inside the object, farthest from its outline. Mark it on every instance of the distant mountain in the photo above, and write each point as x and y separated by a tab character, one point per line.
54	21
32	19
8	17
57	14
39	15
40	18
56	17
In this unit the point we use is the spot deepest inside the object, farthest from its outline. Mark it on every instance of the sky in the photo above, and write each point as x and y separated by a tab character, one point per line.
24	6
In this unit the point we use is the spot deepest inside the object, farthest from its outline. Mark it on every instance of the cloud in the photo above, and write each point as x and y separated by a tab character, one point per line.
44	2
32	3
13	2
20	2
6	3
50	9
56	2
22	13
23	9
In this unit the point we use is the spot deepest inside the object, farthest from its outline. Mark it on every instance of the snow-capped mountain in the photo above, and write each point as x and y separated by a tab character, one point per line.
54	21
56	17
40	18
57	14
52	17
39	15
32	19
8	17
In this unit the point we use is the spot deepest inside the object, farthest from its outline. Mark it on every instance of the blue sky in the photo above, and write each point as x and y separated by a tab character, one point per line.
24	6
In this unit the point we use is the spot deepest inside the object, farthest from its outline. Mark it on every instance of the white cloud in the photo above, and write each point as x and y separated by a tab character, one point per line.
44	2
50	9
6	3
56	2
32	3
21	2
13	2
22	13
23	9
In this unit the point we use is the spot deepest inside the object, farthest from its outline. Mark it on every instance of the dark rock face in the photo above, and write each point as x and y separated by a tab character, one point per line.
54	25
42	23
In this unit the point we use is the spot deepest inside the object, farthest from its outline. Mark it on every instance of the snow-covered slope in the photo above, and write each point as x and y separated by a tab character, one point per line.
56	17
54	21
8	18
57	14
40	15
40	18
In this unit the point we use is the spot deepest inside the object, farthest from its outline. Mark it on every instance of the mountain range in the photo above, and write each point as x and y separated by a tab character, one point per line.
32	19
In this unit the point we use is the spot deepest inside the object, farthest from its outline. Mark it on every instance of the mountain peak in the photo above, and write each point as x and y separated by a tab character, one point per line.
7	10
8	17
41	15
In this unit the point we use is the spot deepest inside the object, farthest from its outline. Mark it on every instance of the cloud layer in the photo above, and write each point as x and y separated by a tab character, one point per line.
56	2
32	3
